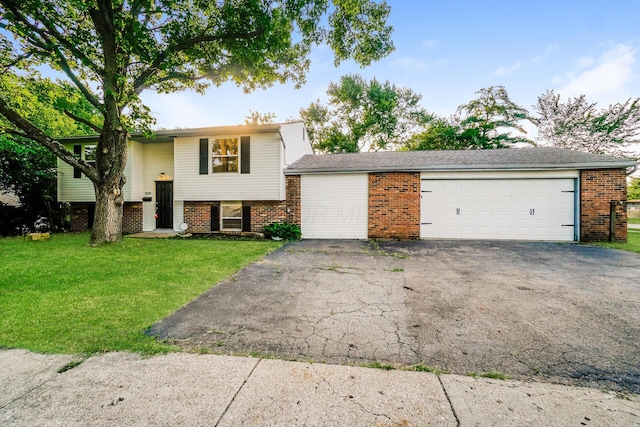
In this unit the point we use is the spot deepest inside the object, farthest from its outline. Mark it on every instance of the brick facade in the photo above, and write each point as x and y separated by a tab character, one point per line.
598	188
263	213
394	205
293	199
132	217
82	217
198	214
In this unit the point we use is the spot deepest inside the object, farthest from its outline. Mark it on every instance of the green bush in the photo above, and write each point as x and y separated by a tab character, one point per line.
282	230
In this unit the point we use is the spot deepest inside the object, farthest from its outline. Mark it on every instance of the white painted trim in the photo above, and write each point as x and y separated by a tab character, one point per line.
501	175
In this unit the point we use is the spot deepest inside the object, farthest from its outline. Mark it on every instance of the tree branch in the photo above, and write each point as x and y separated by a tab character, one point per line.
83	121
140	83
33	133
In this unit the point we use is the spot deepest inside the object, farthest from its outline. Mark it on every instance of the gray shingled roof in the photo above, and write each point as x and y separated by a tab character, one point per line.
538	158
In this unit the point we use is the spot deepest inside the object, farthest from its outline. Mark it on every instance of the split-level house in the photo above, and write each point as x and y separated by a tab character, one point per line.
227	178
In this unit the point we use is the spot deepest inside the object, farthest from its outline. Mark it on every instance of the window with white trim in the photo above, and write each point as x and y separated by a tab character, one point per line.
224	155
231	216
90	154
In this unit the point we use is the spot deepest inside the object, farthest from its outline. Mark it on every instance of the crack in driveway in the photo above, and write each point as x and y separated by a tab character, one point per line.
568	313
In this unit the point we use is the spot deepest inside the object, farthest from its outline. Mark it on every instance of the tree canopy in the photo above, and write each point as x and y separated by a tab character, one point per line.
633	189
113	50
28	169
578	124
488	121
363	115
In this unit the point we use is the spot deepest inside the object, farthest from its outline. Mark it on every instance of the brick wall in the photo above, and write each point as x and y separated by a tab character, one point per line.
598	189
80	216
132	217
394	205
263	213
198	214
293	199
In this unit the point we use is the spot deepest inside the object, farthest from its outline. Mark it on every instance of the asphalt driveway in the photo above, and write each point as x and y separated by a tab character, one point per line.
557	312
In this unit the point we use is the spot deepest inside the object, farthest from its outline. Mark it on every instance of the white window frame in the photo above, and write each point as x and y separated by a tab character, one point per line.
212	142
222	217
84	154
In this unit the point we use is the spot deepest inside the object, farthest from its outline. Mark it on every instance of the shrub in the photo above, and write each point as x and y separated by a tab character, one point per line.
282	230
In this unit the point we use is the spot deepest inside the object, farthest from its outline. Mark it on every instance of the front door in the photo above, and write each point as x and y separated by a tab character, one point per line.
164	204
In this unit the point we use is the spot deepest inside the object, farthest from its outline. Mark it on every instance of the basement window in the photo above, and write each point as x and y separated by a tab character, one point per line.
231	216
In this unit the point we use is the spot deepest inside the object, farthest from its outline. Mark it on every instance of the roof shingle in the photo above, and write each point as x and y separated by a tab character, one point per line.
501	159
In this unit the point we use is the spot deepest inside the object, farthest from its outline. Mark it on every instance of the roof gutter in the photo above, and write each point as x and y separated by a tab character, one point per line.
462	168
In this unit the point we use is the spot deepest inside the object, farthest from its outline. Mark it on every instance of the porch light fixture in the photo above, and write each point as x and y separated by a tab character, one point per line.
164	177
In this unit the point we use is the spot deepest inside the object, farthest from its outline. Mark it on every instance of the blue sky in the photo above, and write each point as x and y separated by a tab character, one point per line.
448	50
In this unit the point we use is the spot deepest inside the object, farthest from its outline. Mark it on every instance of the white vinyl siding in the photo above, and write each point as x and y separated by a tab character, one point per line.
72	189
264	182
502	209
296	142
335	206
158	158
136	160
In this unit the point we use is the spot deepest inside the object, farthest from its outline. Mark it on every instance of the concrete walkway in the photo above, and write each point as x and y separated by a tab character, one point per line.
210	390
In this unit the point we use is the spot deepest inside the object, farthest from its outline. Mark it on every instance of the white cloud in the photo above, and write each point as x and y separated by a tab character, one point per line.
505	71
586	62
430	44
409	62
605	78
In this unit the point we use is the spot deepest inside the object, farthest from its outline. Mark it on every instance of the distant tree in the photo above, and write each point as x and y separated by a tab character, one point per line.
633	189
257	118
483	123
114	50
489	120
27	168
439	134
579	125
363	116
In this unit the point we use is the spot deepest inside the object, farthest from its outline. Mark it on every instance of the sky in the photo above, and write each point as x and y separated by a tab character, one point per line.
448	50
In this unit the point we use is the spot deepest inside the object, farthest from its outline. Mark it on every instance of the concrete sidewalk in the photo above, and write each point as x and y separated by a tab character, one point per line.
208	390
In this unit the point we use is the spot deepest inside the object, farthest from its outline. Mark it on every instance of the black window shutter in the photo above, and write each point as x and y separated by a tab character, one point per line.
246	218
245	155
77	151
215	218
204	156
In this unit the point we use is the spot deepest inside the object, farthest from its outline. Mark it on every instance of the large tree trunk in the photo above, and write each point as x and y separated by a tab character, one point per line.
111	161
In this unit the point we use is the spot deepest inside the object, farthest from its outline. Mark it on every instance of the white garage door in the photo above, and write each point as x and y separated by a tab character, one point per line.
334	206
520	209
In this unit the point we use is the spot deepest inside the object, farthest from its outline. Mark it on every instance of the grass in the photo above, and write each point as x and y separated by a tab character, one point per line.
633	220
494	375
632	245
378	365
63	296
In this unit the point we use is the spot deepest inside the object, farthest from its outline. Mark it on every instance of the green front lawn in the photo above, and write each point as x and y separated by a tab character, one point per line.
633	220
632	245
63	296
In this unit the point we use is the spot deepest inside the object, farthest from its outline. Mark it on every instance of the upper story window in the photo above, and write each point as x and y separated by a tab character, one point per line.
90	154
224	155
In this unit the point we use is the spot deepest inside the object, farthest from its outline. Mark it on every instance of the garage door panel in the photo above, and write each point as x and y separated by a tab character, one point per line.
528	209
334	206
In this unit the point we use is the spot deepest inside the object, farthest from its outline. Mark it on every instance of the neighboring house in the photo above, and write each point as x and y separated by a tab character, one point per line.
518	194
226	178
633	208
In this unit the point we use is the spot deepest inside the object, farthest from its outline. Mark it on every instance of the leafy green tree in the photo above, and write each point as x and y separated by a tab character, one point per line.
27	168
113	50
633	189
489	120
483	123
363	116
578	124
257	118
